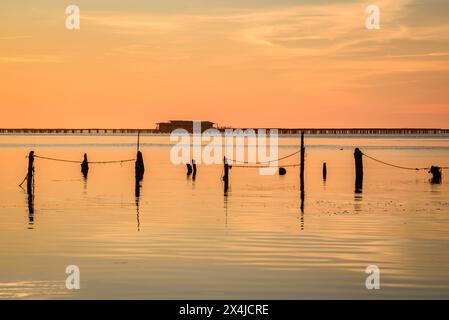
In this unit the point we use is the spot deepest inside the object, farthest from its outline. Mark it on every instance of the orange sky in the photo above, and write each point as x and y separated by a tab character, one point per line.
267	63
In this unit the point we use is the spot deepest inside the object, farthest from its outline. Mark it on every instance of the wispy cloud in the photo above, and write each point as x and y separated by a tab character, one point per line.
31	59
19	37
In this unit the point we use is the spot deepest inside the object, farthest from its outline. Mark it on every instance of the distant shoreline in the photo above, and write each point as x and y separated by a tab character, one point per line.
281	131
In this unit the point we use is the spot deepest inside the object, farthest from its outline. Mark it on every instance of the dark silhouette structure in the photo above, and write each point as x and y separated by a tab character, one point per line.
189	169
140	167
358	156
85	166
194	169
324	171
30	174
436	174
140	170
170	126
226	175
301	174
282	171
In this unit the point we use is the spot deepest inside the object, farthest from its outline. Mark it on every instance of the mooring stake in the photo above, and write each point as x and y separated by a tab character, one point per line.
324	171
189	169
358	156
436	174
194	168
226	174
30	174
85	166
301	174
140	167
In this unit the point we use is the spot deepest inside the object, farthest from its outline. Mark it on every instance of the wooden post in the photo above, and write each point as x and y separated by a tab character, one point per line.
226	174
85	166
358	156
194	168
324	171
189	169
301	174
140	167
30	174
436	174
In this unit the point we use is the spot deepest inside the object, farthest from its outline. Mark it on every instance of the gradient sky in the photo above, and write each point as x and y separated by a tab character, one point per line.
252	63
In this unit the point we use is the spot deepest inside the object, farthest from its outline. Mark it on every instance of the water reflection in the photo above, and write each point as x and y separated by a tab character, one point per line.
358	202
30	210
138	213
137	197
226	207
262	241
302	209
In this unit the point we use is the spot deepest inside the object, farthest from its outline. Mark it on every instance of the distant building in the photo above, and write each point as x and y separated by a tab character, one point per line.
167	127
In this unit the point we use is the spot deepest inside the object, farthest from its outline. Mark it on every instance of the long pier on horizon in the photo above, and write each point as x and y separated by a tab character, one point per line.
282	131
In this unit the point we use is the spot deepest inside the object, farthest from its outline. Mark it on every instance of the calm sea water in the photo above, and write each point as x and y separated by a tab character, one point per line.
184	239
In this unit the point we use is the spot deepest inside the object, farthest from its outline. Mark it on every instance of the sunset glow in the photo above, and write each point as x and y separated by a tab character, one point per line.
271	63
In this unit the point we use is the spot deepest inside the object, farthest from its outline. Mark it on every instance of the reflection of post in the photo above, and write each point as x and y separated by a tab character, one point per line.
226	208
30	209
226	174
302	201
30	174
358	202
358	156
138	207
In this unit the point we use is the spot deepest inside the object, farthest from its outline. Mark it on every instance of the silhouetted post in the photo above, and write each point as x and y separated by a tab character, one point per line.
140	167
301	174
194	168
324	171
30	174
189	169
436	174
85	166
358	156
226	174
282	171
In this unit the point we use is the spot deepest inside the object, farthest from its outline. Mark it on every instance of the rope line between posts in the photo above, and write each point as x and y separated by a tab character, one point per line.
393	165
264	162
257	167
79	162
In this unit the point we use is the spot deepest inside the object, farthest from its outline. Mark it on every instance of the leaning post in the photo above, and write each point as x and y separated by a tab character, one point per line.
358	157
226	174
301	174
30	174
